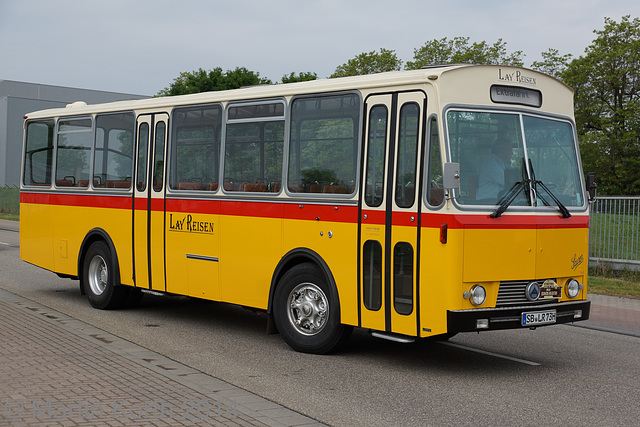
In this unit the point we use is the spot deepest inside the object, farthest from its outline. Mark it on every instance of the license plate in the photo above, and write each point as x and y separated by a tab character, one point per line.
538	318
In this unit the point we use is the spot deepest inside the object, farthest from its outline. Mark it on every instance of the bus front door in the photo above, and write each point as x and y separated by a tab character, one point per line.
390	212
148	209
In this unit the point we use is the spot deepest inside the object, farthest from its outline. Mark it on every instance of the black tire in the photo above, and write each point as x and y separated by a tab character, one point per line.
307	312
99	279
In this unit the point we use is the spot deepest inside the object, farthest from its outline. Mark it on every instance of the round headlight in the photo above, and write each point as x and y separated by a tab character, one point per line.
572	288
478	295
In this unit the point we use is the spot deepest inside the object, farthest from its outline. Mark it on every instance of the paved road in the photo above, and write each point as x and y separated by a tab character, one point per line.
559	374
57	370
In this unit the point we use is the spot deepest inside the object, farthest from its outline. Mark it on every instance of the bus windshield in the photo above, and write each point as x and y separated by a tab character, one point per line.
497	151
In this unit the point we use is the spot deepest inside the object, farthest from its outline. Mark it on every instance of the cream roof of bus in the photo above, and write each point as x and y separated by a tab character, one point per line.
458	86
465	87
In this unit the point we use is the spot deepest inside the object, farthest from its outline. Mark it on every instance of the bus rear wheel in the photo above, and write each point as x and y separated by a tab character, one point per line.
306	312
99	279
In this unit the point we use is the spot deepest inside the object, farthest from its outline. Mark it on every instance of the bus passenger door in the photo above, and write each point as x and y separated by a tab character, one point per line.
390	212
148	212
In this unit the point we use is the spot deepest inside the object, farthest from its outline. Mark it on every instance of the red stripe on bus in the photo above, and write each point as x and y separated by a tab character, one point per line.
433	220
374	217
211	207
140	204
299	211
36	198
157	205
252	209
84	200
308	212
113	202
313	212
404	219
456	221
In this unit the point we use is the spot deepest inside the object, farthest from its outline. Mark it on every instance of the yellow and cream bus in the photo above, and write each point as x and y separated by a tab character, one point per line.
412	204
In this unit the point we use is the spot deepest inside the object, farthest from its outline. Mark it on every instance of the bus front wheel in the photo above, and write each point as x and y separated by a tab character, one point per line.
99	278
306	313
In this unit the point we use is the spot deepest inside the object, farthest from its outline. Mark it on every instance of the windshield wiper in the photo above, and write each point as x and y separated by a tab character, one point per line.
563	209
513	192
531	186
508	198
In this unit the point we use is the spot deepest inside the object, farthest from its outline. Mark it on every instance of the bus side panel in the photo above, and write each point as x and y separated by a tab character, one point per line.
440	278
70	226
335	243
157	240
36	230
250	249
192	249
178	244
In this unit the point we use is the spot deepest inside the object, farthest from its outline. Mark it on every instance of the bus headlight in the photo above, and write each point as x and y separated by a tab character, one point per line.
572	288
478	295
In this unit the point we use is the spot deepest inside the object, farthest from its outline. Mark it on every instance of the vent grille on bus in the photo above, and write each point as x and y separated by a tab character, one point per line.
514	293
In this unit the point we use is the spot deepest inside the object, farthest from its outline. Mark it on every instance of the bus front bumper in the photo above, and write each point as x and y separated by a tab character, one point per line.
486	319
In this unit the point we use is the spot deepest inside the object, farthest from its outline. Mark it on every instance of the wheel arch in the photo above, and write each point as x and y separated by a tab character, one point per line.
300	256
96	235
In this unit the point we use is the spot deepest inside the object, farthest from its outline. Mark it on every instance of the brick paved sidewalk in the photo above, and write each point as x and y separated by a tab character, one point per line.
58	371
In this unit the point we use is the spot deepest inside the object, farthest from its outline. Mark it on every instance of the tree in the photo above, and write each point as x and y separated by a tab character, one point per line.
459	50
301	77
212	80
369	63
607	99
552	63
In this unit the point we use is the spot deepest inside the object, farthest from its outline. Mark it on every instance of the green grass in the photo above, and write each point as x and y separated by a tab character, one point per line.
9	201
614	287
12	217
605	281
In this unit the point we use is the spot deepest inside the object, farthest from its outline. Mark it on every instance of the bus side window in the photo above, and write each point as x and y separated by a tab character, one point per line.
113	153
143	141
158	160
323	151
376	154
73	152
195	149
435	190
253	147
38	153
403	278
372	259
407	155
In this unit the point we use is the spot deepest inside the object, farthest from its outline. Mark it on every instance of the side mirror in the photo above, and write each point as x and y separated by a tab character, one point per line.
591	186
451	176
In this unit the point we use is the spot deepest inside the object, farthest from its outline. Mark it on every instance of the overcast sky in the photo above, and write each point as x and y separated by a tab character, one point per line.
141	46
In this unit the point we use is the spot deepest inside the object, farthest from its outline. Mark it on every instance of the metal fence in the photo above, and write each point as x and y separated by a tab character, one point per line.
614	232
10	200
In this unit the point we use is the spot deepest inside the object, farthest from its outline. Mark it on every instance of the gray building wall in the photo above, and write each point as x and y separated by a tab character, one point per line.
20	98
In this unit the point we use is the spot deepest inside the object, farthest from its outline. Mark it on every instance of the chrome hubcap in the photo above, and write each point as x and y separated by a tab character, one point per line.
98	275
308	308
